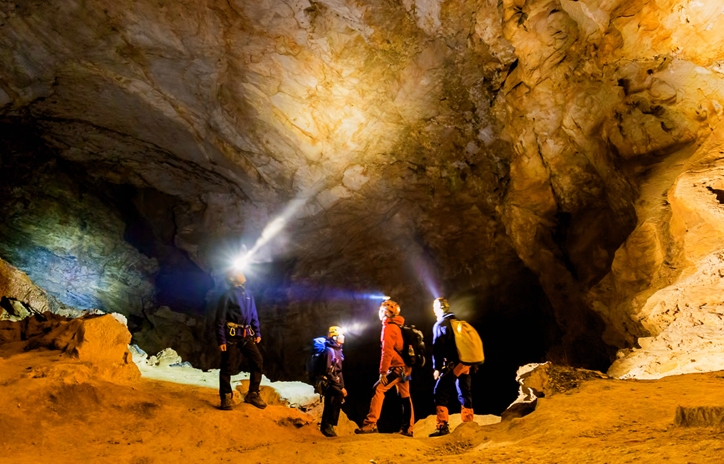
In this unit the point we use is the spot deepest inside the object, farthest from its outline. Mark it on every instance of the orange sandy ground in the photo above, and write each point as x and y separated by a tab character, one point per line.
69	420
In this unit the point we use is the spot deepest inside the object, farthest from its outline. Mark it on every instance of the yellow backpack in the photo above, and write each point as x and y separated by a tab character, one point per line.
468	342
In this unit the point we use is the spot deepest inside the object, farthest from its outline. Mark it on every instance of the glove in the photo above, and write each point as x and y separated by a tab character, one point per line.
383	379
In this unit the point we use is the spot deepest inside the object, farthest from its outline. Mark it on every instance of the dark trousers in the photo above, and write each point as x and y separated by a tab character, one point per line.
248	348
445	385
406	412
333	398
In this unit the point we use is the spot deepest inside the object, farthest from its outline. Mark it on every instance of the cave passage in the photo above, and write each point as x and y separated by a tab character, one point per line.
516	324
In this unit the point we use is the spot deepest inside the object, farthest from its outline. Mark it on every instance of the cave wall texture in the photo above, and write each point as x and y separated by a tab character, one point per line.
550	164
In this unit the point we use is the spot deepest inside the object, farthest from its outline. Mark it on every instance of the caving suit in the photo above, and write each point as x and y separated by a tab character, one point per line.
398	374
237	324
453	373
333	396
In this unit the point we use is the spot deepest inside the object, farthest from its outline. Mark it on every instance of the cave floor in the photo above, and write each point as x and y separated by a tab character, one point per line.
51	410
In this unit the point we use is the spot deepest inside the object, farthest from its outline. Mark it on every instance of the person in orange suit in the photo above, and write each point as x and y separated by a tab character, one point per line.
393	371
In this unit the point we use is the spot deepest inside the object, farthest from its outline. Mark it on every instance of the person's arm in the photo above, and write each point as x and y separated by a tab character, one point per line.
331	374
388	348
448	342
254	317
437	358
329	371
221	320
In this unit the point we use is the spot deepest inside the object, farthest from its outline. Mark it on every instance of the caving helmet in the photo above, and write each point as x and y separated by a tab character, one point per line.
390	308
442	304
335	331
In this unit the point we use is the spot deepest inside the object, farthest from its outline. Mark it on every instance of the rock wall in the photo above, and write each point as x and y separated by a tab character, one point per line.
614	109
368	125
469	147
63	236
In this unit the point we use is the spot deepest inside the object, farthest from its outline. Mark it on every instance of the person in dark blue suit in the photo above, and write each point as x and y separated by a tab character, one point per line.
333	381
238	332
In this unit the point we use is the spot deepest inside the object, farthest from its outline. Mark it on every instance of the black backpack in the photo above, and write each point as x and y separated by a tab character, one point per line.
317	364
413	346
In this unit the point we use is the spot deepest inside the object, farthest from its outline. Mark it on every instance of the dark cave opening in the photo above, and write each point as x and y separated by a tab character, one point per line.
180	283
718	193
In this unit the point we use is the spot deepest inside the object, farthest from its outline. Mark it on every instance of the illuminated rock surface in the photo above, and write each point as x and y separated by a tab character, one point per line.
552	165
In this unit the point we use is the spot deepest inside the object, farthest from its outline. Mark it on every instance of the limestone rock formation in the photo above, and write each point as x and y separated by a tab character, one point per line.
554	162
68	242
100	342
16	287
543	381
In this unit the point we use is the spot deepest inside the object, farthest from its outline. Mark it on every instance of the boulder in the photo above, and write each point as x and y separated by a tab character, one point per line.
20	292
544	380
98	341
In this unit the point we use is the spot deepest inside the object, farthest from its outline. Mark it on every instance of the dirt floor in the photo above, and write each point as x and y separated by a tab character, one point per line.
53	410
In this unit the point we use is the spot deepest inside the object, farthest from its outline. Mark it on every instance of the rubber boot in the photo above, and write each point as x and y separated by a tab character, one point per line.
442	429
367	428
466	414
328	431
226	402
441	417
254	399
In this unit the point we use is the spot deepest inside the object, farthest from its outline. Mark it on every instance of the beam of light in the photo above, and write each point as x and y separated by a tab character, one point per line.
276	225
423	270
463	307
354	328
243	258
299	291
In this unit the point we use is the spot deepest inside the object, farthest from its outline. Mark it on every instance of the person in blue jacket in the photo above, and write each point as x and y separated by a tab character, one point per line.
333	381
449	372
238	332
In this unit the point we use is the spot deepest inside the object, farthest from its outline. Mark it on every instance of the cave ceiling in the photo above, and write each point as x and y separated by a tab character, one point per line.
476	144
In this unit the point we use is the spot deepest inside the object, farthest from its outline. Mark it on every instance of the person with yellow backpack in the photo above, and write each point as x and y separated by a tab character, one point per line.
456	347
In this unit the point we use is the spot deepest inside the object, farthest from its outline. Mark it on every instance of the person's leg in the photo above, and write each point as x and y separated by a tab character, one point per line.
465	396
441	393
332	405
227	359
256	363
251	351
378	398
333	398
444	385
408	413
